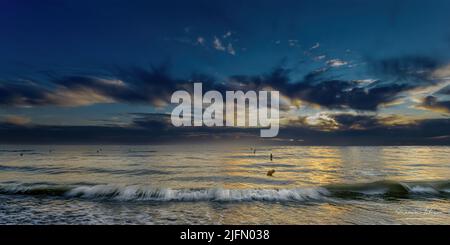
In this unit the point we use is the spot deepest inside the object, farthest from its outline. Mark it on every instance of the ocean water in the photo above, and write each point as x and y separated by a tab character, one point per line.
211	184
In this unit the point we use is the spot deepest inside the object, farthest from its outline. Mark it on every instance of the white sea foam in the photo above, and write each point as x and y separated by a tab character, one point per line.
149	193
423	190
166	194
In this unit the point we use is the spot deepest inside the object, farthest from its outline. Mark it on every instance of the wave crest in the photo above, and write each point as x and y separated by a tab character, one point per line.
145	193
167	194
139	193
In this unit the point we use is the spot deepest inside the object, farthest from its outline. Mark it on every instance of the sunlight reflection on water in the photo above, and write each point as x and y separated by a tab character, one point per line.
232	168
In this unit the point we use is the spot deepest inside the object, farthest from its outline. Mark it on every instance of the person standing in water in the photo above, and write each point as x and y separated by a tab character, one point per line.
271	157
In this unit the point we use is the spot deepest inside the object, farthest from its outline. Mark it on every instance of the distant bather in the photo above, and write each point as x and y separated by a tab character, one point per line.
270	172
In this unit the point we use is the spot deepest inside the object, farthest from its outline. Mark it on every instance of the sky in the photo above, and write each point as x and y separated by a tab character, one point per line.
349	72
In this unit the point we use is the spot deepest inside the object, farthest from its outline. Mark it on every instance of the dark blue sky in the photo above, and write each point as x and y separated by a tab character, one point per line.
90	35
96	63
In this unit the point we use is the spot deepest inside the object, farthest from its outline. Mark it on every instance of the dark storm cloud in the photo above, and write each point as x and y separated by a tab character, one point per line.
74	134
21	93
151	121
348	121
344	121
432	103
135	85
131	85
422	132
315	88
148	128
425	132
154	86
444	91
337	94
399	75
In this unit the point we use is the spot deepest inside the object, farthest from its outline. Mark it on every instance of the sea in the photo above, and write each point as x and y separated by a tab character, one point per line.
224	184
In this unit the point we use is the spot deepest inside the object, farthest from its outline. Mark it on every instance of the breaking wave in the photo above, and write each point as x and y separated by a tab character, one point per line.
144	193
139	193
392	189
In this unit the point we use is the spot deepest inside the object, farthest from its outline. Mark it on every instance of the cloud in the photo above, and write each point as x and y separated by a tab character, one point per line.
319	57
348	121
356	122
442	72
148	129
322	121
77	97
317	88
315	46
293	42
16	120
22	93
228	34
154	86
336	63
444	91
432	103
217	44
133	85
332	121
230	49
339	94
201	40
151	121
